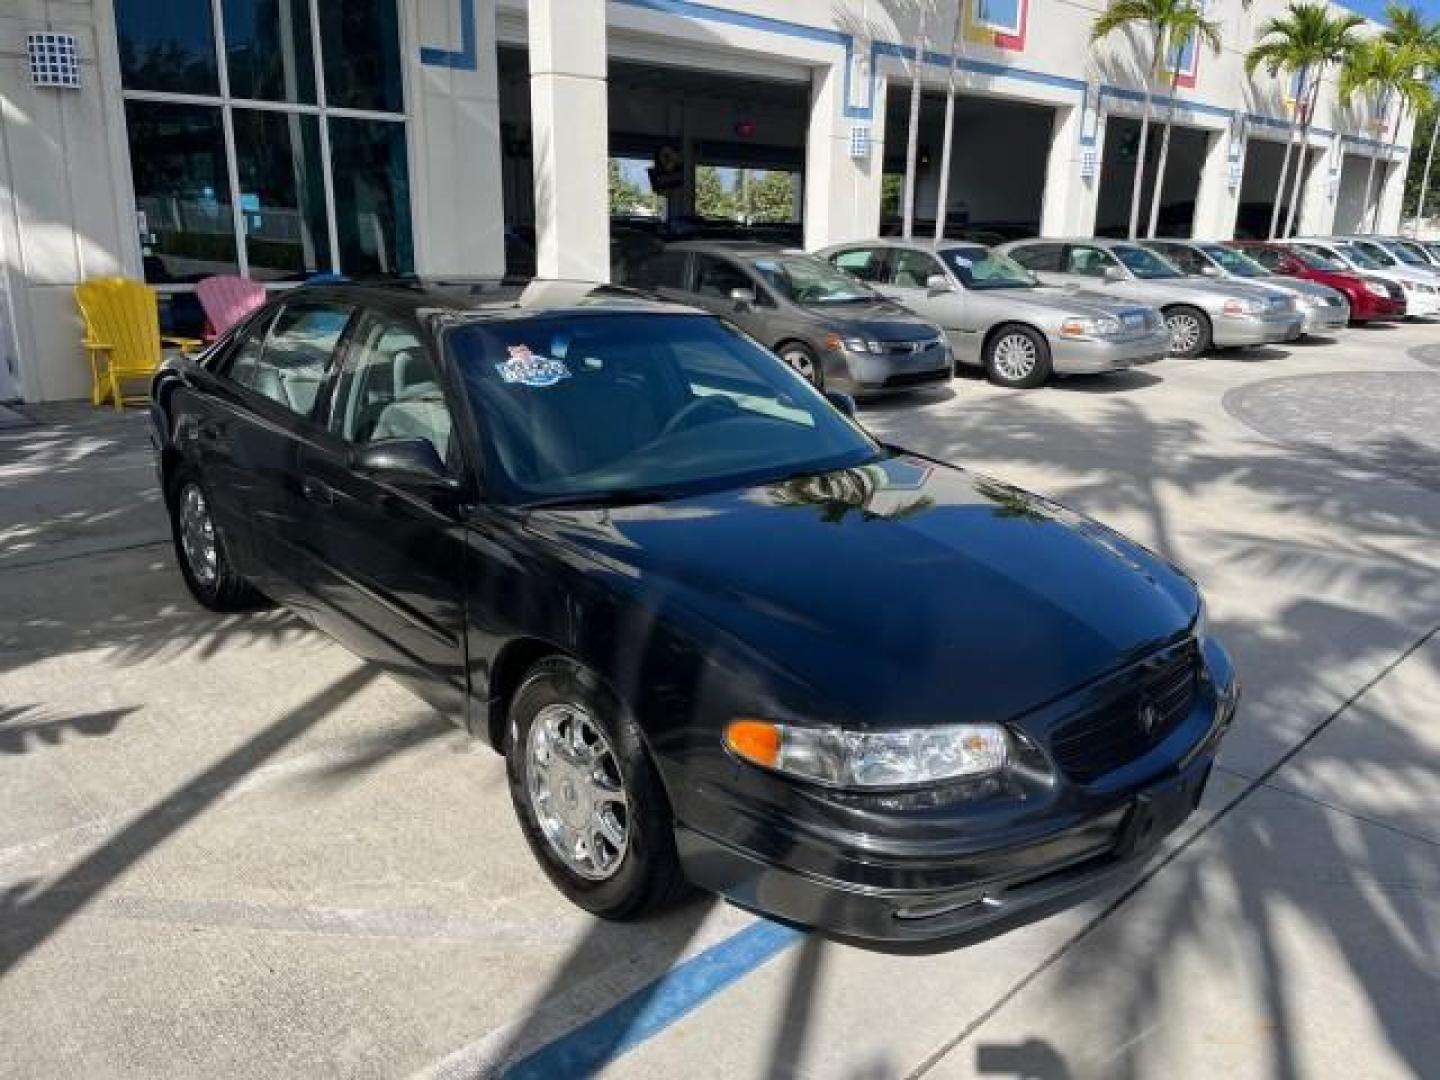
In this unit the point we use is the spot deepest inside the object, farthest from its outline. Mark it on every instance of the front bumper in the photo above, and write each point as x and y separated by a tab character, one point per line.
1326	320
870	373
1231	330
1088	356
1421	304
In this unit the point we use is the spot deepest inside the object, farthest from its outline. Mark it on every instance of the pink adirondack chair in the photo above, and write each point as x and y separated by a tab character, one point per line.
227	300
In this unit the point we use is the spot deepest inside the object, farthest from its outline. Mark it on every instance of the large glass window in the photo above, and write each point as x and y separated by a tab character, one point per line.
321	177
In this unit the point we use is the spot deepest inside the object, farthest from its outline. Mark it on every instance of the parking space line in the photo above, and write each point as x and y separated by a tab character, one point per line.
88	553
653	1008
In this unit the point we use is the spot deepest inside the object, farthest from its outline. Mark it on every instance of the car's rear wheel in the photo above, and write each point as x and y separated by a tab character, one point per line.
1017	356
200	548
588	797
802	359
1189	330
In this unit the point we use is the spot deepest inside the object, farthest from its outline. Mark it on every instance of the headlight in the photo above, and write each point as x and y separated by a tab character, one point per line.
902	757
1244	307
853	344
1083	328
1376	288
1313	300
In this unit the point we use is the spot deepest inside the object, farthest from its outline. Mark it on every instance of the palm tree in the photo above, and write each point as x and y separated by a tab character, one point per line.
1158	17
943	196
1382	74
1188	23
1408	28
912	140
1304	41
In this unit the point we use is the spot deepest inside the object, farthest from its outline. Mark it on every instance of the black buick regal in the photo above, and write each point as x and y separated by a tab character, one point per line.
721	635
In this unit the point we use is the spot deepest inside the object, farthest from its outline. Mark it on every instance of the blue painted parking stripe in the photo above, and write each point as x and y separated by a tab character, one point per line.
653	1008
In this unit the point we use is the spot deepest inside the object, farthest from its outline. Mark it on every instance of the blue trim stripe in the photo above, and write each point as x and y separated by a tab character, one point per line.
467	57
653	1008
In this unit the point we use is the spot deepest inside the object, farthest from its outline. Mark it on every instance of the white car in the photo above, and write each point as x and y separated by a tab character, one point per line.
1422	289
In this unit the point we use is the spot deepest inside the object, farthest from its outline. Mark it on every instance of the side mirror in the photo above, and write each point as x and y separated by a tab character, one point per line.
844	402
1114	273
1210	271
413	462
744	298
937	283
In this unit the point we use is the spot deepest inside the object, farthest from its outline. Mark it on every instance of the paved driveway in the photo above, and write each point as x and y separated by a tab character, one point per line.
228	849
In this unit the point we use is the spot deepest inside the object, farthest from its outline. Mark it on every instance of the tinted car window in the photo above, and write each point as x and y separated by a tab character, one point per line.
911	269
1359	256
1375	251
867	264
291	364
804	279
1042	257
1267	257
1319	258
717	278
980	268
1144	263
663	271
1187	259
1239	263
1089	261
592	407
390	389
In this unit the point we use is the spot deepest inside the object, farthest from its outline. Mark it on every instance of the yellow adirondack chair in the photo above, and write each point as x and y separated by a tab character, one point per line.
122	336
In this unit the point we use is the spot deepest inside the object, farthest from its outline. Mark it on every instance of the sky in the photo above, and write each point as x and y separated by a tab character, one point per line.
1375	9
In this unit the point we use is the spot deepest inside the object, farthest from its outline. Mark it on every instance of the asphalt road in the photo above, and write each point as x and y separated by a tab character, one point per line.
228	849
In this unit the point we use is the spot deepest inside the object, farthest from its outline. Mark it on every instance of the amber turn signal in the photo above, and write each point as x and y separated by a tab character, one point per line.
754	740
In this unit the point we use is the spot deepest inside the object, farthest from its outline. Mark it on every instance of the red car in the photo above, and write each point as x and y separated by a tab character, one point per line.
1371	298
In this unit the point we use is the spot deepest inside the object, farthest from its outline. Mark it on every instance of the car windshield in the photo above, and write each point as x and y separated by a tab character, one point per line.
979	268
600	408
1360	257
1144	263
1405	255
1379	253
805	279
1233	262
1317	259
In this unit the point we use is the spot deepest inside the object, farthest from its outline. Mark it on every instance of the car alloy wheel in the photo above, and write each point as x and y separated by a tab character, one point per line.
802	362
1015	357
576	791
197	536
1186	332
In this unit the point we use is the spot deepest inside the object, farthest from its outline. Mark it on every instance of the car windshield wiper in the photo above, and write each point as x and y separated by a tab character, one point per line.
597	500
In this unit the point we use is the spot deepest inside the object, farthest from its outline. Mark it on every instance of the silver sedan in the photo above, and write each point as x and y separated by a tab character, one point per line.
997	315
1199	312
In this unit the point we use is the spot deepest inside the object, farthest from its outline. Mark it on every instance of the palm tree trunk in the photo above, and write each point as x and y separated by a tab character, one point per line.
946	141
1139	180
1285	164
1160	163
1425	178
1297	193
1369	181
912	143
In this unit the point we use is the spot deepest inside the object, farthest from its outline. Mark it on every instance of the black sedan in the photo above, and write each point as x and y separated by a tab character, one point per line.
720	633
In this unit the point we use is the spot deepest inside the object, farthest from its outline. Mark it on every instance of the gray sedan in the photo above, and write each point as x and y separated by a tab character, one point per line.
1325	310
997	315
1199	312
832	328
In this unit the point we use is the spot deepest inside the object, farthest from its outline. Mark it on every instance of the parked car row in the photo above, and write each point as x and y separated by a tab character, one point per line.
893	313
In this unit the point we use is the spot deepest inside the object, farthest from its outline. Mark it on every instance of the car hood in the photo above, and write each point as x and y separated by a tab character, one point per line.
1299	286
899	591
1216	288
1065	302
882	320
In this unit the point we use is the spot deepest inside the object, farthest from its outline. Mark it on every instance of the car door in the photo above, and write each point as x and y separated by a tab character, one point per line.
273	379
391	552
713	280
1186	258
1046	261
1093	267
907	276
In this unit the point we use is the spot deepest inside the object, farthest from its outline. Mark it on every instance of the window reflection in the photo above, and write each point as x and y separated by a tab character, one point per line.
360	43
267	50
167	45
182	190
282	193
372	196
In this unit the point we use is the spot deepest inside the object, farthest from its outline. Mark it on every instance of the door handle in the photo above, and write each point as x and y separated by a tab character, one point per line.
317	491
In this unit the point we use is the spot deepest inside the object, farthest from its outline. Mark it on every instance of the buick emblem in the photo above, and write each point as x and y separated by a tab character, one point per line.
1149	718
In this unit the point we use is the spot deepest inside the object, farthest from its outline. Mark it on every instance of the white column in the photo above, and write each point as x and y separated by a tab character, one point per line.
1392	194
569	118
1216	203
460	211
1317	211
842	193
1069	200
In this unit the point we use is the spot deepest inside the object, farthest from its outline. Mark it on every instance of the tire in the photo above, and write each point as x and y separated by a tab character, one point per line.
1189	328
200	549
1018	357
801	357
618	868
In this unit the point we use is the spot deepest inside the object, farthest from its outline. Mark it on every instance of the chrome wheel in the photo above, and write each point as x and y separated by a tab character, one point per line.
1015	357
802	362
197	536
1185	332
576	791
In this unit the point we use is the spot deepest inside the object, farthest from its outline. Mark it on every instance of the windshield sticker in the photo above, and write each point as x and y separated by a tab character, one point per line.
527	369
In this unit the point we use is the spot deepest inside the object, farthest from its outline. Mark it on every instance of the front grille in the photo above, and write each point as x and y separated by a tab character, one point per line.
1113	734
908	348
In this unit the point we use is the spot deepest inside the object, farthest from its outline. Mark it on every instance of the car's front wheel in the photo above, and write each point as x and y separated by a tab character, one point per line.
1018	357
588	796
1189	330
801	358
200	549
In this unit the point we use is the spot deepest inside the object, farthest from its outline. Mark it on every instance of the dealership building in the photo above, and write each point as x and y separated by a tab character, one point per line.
172	140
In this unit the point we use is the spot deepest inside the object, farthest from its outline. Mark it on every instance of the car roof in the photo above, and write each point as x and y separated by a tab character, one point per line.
738	248
920	242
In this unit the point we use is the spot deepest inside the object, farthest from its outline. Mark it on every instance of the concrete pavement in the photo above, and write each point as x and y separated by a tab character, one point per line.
227	848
